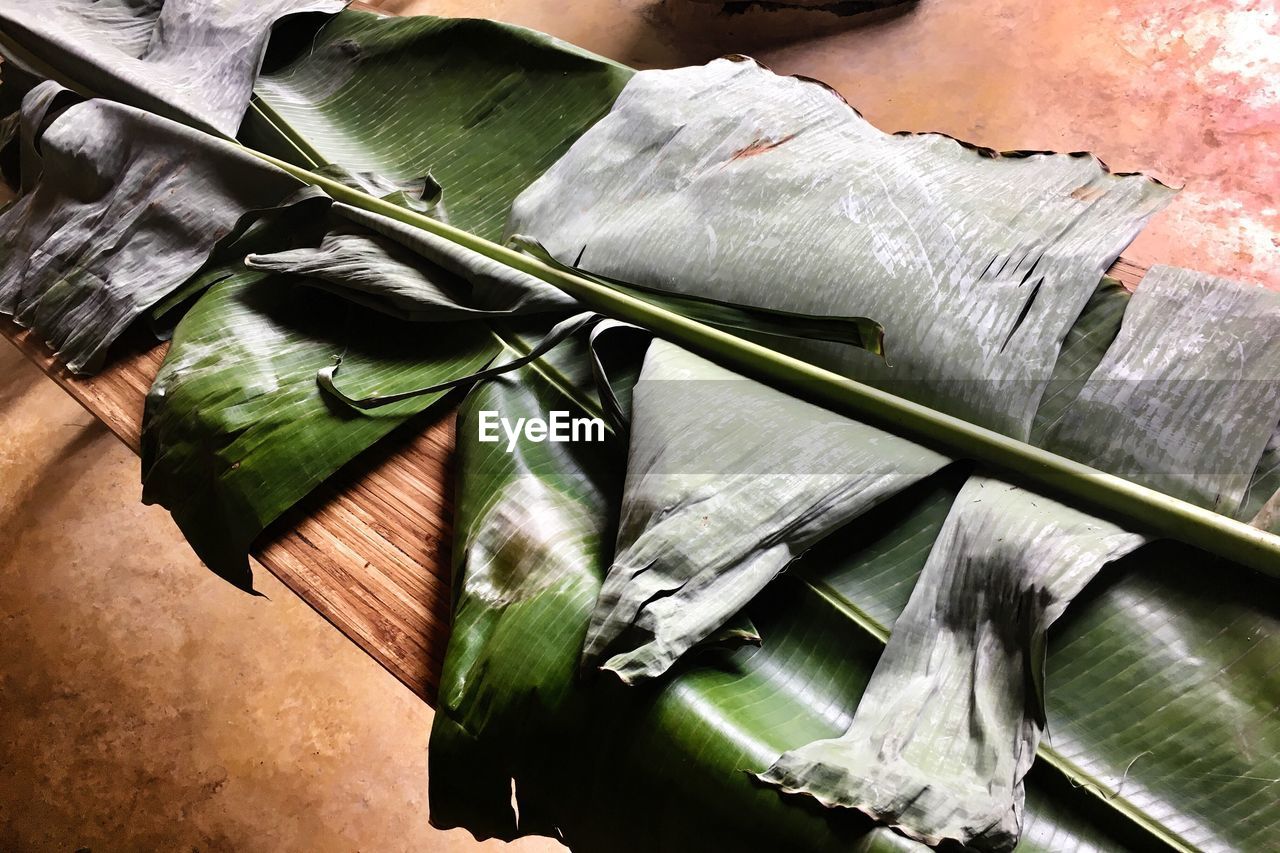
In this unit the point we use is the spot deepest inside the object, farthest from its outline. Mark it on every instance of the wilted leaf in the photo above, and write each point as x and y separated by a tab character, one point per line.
409	273
949	724
190	60
127	207
779	195
236	428
728	480
503	102
1188	394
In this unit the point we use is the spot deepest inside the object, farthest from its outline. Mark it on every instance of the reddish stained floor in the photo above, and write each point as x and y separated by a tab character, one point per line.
1186	90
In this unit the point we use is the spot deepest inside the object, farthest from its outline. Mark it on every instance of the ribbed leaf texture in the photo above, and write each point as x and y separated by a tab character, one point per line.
128	205
1157	688
780	195
190	60
953	714
1188	395
727	481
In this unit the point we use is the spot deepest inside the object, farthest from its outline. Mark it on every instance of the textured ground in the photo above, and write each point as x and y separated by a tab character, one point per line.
144	705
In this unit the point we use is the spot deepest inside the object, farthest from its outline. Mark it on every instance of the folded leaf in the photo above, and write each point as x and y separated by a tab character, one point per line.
532	527
1262	502
423	194
745	320
521	745
127	207
1188	394
778	194
1147	650
949	724
727	481
1082	351
190	60
413	274
502	104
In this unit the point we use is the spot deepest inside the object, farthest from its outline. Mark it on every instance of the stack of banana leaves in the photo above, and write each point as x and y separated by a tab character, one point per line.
875	420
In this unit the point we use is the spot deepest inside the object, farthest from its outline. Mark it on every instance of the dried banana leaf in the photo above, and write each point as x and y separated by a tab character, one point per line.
951	719
778	194
583	757
190	60
1188	395
728	481
128	205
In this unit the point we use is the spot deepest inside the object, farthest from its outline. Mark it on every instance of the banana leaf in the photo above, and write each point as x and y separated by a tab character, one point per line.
128	205
503	103
663	152
1188	396
709	732
780	195
727	482
380	263
678	749
962	659
584	754
236	430
259	446
190	60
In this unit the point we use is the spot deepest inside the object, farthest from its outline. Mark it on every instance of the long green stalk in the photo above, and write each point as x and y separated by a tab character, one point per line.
1147	509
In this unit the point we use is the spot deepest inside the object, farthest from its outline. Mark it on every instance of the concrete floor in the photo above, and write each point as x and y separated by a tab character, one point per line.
145	705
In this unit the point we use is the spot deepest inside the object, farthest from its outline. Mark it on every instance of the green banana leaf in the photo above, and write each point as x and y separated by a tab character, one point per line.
583	754
668	150
678	750
962	658
236	429
502	104
260	446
